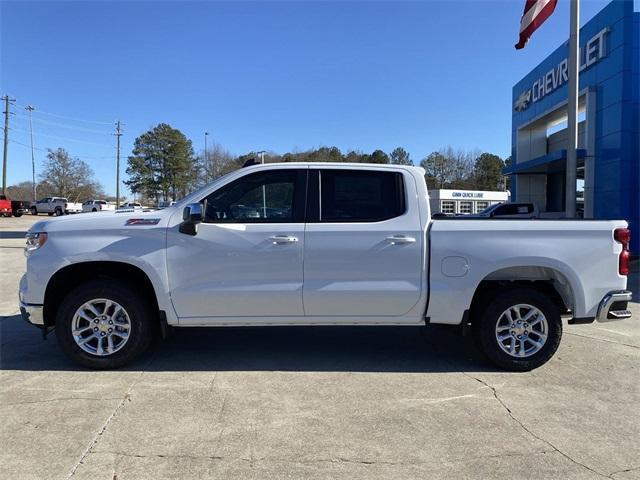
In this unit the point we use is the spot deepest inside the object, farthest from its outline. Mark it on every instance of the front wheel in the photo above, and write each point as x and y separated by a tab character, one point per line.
17	214
520	329
34	211
104	324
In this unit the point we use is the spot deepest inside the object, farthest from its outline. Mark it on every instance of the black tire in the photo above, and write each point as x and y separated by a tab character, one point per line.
94	209
139	311
17	214
34	211
485	329
50	214
58	212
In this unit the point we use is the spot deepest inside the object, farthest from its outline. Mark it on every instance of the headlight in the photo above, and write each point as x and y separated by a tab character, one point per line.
35	241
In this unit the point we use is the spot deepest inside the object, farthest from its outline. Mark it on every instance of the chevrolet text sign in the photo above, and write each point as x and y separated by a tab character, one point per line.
594	50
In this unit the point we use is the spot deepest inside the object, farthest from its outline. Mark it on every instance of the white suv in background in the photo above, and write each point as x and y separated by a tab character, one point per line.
97	206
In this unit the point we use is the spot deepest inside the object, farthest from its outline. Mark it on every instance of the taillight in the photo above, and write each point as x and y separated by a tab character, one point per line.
623	236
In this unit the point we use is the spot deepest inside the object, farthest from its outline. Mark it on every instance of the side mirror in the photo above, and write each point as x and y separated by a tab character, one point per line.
191	217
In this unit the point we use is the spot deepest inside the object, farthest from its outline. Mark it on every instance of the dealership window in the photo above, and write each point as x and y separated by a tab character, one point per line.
360	196
465	207
448	206
480	206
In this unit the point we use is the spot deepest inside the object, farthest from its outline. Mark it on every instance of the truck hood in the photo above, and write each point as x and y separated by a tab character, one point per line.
105	220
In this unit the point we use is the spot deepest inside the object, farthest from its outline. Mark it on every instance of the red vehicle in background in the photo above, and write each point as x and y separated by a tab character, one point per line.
5	206
10	207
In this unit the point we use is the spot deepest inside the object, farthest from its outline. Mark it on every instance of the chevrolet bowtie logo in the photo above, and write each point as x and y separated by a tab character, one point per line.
523	101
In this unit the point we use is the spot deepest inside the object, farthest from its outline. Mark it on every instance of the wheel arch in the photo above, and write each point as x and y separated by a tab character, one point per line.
70	276
548	280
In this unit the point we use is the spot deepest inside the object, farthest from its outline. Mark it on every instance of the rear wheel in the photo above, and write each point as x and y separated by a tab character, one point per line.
520	329
58	212
34	211
17	214
104	324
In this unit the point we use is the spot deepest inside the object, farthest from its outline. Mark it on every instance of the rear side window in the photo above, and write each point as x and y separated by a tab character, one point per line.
360	196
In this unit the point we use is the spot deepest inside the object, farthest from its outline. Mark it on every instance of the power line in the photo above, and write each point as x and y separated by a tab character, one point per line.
70	154
62	125
75	119
61	138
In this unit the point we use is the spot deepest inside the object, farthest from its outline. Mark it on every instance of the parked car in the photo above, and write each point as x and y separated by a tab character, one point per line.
508	210
20	207
55	206
162	205
335	244
9	207
97	206
5	206
131	206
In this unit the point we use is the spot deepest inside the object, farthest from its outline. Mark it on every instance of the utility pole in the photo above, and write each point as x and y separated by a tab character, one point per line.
118	134
206	160
30	109
6	112
572	107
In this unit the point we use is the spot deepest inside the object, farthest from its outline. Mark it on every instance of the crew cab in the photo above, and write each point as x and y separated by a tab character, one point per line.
319	244
55	206
97	206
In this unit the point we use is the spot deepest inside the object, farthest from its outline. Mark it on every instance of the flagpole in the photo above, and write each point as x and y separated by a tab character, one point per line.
572	115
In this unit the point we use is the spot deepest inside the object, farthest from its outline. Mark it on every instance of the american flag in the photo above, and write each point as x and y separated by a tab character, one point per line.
535	13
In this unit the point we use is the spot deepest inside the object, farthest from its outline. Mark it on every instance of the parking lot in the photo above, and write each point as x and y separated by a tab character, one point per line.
334	402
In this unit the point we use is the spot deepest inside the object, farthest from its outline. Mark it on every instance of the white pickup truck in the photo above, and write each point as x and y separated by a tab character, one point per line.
97	206
55	206
319	244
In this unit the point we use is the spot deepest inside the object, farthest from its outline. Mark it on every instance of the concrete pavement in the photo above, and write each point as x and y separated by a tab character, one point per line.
316	403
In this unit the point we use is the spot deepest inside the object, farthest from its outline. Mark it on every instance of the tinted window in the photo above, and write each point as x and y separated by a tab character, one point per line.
263	197
358	196
514	209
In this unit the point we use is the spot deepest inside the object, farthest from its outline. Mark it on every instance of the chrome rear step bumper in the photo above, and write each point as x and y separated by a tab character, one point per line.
614	306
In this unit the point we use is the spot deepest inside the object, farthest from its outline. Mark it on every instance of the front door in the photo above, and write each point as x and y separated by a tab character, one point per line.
364	248
246	258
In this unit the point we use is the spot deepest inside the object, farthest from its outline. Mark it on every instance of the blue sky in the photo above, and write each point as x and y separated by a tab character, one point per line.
278	76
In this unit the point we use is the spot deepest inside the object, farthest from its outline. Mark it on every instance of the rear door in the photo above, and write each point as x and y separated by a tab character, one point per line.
363	244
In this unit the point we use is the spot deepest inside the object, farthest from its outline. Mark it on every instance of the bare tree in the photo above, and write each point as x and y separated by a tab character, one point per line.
68	177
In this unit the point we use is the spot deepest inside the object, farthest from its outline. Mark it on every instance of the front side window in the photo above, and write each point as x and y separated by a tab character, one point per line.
262	197
360	196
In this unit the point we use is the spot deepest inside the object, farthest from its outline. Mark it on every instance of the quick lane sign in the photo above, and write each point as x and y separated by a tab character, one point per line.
593	51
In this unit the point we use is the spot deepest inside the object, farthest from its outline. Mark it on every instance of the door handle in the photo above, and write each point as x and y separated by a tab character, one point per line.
283	239
400	239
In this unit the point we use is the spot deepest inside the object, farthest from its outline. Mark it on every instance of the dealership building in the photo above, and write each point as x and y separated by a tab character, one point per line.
608	130
464	201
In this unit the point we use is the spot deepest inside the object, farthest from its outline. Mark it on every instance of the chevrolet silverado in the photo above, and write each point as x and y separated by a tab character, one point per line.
319	244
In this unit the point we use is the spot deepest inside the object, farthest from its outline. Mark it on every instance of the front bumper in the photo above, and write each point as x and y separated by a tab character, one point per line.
614	306
32	314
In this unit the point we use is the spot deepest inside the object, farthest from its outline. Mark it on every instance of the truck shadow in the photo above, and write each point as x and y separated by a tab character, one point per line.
306	349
